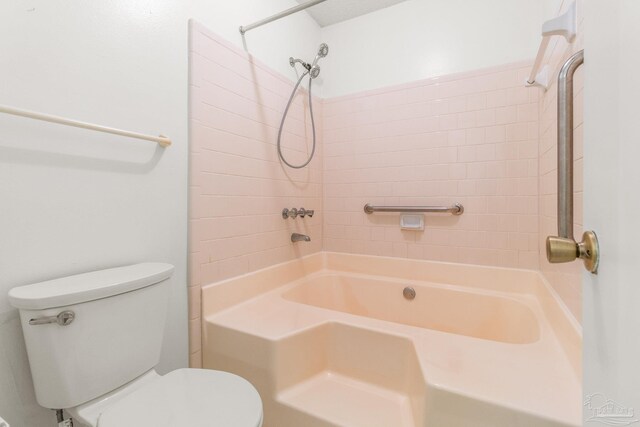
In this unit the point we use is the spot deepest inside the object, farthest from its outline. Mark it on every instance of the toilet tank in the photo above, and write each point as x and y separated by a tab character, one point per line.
115	335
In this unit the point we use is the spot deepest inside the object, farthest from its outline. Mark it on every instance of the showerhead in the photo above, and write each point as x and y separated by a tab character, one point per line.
314	71
323	51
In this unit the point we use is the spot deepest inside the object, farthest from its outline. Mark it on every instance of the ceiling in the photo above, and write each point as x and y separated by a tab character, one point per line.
334	11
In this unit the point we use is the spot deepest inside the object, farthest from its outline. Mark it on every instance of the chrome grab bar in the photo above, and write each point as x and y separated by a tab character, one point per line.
565	144
456	209
564	248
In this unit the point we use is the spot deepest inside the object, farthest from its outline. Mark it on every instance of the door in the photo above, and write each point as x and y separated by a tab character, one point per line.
611	302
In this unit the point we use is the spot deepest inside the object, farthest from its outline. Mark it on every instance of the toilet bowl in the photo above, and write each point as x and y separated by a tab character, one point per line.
93	341
184	397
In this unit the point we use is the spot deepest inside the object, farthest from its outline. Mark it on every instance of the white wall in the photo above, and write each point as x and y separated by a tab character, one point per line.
73	200
418	39
611	318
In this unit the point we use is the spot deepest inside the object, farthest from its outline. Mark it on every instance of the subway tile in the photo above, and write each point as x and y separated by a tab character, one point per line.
481	139
238	183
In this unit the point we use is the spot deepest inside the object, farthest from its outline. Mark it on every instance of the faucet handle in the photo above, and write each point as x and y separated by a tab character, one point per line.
289	213
293	213
304	212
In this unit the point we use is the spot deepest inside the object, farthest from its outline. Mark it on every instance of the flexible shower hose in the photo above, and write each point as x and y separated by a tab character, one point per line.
313	125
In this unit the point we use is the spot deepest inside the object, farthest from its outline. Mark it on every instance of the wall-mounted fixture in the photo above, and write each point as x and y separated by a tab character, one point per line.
564	25
293	213
313	71
162	140
456	209
297	237
564	248
412	222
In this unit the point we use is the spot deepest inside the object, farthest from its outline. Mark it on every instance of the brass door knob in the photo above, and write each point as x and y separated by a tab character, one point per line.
563	249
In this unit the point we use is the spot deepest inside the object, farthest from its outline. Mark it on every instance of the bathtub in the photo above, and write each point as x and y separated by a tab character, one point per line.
335	340
433	306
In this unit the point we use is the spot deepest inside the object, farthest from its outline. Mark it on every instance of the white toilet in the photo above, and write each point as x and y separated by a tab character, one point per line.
93	341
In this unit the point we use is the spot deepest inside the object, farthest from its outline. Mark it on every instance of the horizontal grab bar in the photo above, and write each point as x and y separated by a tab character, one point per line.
456	209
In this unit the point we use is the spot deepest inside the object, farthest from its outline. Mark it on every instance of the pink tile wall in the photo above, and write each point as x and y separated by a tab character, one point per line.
565	278
479	138
238	186
470	138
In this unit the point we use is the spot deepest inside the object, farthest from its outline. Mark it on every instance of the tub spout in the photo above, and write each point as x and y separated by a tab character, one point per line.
296	237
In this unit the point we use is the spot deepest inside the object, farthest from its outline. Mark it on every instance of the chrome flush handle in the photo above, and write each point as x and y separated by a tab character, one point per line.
64	318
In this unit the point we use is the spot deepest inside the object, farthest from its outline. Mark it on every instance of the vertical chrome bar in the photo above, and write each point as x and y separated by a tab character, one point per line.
564	248
565	144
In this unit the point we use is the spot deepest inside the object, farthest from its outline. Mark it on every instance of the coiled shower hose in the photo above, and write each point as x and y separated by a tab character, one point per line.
313	124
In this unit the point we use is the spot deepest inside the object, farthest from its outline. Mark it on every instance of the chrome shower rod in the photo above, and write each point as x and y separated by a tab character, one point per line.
245	28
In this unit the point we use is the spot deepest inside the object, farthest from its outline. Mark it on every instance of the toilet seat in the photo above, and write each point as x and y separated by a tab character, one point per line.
188	397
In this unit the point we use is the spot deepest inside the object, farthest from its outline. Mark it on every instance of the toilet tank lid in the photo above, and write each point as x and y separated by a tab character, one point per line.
88	286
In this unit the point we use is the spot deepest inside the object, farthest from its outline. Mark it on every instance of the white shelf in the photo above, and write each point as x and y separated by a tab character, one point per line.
564	25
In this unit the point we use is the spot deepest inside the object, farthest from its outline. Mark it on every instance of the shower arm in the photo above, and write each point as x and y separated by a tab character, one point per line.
293	61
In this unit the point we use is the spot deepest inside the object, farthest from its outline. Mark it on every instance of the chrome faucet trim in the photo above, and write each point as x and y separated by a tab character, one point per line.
297	237
305	212
294	213
286	213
